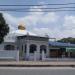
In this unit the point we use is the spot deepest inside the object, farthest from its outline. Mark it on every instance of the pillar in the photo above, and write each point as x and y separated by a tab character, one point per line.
17	56
38	52
43	55
35	55
27	51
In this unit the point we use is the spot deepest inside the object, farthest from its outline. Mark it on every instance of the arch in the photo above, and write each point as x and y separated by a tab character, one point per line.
9	47
33	48
43	47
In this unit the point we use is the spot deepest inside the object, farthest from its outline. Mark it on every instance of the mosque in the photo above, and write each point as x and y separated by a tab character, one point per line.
31	46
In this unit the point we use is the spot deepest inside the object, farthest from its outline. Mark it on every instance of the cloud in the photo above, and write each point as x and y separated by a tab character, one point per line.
69	22
68	26
49	17
47	31
11	21
32	19
44	23
66	29
42	31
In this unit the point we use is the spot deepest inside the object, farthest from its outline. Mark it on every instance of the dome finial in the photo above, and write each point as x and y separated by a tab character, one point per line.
21	26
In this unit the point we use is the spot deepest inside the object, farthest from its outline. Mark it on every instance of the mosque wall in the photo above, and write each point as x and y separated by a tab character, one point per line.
31	45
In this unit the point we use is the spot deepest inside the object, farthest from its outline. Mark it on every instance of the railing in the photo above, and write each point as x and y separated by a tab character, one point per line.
59	59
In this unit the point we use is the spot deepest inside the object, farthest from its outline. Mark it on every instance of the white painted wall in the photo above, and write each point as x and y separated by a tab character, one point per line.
2	46
7	54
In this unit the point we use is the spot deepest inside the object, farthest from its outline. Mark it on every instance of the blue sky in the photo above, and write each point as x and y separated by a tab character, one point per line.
55	24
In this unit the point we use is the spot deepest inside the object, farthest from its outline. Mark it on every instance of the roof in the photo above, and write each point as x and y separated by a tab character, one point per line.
21	32
11	37
54	43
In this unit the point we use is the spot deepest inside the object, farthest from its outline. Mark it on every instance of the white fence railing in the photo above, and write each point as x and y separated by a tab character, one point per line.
59	59
9	55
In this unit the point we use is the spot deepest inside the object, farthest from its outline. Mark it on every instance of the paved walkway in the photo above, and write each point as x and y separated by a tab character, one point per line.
36	63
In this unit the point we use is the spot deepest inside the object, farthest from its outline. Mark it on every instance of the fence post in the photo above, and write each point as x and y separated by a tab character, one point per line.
17	56
43	55
35	55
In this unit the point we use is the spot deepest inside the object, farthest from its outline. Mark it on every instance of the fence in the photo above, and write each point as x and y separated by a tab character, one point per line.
9	55
59	59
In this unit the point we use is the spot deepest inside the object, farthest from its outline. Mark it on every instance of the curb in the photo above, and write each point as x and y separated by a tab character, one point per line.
11	65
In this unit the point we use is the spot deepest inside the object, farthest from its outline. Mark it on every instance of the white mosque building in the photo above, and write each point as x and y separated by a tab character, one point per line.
28	43
34	47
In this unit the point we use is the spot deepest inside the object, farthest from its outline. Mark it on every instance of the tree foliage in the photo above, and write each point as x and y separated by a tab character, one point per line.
4	29
67	40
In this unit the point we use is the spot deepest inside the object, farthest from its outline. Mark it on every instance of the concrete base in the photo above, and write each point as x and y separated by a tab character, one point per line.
36	64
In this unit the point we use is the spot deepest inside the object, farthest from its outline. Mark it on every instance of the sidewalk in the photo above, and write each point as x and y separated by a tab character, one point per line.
36	64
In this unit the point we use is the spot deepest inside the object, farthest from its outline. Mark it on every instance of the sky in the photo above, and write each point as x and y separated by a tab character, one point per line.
55	24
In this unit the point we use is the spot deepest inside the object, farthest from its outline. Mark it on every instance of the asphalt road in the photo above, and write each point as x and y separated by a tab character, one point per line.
37	71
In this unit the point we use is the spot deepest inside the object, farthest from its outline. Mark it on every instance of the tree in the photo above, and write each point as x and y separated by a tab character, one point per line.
67	40
4	29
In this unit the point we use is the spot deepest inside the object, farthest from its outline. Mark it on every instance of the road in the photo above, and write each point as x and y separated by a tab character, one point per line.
37	71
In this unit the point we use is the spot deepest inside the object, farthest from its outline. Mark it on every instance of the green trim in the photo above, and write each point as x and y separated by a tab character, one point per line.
70	49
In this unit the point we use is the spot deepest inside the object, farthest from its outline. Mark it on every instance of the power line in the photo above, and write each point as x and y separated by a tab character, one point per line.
37	11
62	4
39	4
36	8
46	9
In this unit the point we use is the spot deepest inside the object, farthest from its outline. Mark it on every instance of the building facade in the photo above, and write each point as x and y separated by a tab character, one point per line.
34	47
31	45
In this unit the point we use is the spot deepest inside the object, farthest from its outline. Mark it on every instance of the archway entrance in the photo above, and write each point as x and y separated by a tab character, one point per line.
43	48
32	48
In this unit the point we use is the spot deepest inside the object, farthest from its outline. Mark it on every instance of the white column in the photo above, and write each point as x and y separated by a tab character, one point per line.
38	52
17	56
27	51
35	55
43	55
